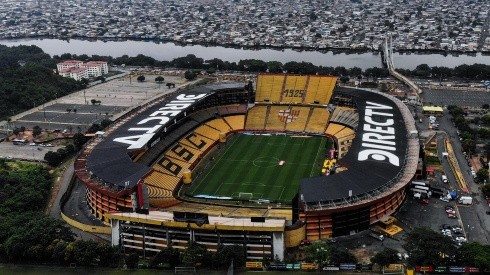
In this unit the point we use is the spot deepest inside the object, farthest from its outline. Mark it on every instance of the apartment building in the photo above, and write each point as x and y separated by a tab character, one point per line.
68	68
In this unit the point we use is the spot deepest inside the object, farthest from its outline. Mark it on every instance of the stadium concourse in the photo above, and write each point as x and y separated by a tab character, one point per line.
224	164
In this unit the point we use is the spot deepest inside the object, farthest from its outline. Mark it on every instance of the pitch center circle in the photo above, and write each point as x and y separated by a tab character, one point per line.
266	162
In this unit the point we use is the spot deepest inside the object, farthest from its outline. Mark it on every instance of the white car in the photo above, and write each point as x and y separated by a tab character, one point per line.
32	144
460	239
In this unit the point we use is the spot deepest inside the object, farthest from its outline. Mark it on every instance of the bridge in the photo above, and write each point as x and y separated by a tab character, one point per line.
388	61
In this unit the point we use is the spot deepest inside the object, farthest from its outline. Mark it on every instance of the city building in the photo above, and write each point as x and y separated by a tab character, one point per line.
78	69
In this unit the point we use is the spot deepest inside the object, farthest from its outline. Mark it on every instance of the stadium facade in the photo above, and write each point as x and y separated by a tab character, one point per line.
137	172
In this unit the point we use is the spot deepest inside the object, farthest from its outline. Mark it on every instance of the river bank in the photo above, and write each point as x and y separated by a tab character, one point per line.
168	51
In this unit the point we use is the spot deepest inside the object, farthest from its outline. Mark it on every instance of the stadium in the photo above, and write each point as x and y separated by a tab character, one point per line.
295	158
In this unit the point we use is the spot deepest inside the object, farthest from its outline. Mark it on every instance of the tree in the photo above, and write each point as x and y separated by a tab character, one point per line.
94	128
340	255
79	140
274	67
482	175
22	129
100	78
105	122
132	260
16	131
486	189
70	148
226	254
344	79
159	79
195	254
189	75
475	254
141	78
53	158
317	253
426	247
385	257
485	106
168	255
36	131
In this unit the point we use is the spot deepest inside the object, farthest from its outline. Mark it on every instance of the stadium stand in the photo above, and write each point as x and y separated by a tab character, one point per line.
319	89
236	122
334	128
300	116
345	116
184	153
277	118
269	88
256	117
294	89
207	131
318	120
345	132
219	124
160	177
202	141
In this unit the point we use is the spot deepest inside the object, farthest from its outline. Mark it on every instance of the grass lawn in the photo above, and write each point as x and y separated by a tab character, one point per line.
249	167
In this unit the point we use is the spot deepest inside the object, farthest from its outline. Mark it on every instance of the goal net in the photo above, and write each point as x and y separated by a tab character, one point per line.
245	196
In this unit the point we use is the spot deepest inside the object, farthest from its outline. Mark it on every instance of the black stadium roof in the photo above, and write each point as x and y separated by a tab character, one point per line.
109	160
362	176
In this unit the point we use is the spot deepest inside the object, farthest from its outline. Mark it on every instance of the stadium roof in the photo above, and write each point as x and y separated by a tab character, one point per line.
109	160
370	164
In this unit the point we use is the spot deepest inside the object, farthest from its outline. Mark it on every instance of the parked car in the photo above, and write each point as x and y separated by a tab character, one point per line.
444	199
452	216
460	239
445	226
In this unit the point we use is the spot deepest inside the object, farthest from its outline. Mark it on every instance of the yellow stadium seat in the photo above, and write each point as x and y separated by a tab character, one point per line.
256	117
299	118
294	89
318	120
219	124
208	132
236	122
278	116
269	88
334	128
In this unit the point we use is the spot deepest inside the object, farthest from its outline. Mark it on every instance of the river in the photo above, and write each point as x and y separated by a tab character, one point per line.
169	51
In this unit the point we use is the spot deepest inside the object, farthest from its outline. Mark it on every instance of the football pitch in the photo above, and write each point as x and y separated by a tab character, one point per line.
268	167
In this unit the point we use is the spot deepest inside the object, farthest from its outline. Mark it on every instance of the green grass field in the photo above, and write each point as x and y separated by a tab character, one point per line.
248	167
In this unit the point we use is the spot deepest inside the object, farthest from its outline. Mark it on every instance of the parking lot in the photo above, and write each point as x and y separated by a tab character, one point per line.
25	152
77	111
459	98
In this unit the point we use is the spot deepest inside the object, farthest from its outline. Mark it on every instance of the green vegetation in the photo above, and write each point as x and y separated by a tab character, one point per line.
467	133
427	247
25	232
29	236
27	80
433	160
250	164
328	254
385	257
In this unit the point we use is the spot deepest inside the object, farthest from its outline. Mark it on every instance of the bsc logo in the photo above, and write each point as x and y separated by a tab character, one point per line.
288	116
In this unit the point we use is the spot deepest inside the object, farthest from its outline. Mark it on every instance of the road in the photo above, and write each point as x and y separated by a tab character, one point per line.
474	218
